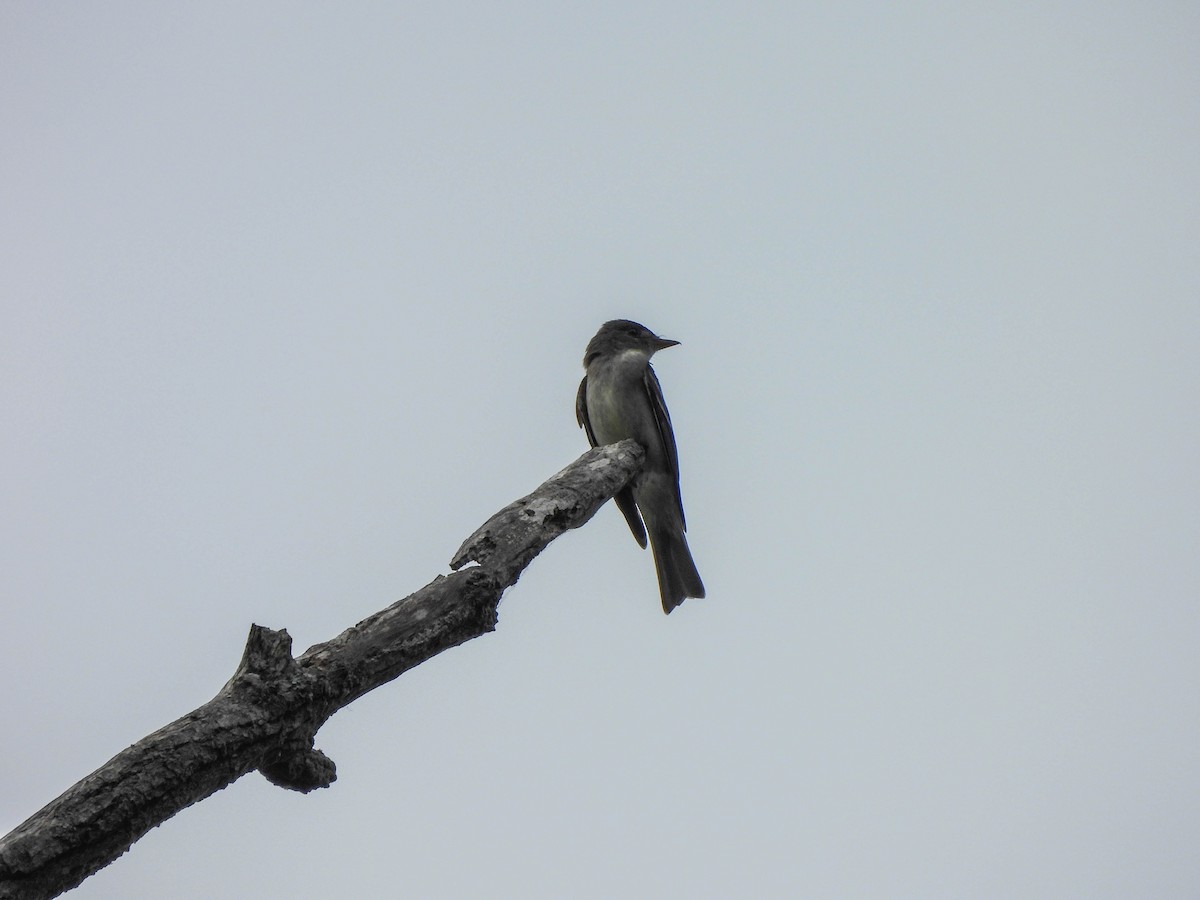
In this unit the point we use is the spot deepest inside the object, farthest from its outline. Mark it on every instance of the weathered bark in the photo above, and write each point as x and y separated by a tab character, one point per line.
267	716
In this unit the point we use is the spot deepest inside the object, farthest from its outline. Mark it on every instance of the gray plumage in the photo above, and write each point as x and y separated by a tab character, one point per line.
620	398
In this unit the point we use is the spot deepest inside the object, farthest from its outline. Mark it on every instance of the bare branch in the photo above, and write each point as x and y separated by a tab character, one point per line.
267	716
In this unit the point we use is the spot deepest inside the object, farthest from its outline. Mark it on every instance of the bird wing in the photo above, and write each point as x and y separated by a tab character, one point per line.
624	497
663	420
581	415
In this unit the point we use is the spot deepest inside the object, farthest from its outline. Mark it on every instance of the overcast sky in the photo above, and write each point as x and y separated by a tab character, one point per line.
294	297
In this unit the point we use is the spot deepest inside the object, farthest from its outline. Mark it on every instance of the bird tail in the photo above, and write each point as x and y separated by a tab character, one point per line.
677	575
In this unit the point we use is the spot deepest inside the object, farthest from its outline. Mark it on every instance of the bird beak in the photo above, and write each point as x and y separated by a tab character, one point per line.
664	343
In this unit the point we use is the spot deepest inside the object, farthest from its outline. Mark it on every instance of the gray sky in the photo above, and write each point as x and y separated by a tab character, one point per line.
295	296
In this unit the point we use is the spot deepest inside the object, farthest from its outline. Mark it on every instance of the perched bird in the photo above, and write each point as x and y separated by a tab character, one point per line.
620	398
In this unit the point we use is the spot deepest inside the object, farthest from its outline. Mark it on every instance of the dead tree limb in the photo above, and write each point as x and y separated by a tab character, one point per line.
267	716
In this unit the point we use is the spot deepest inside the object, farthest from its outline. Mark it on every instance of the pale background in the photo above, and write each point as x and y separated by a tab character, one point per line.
295	295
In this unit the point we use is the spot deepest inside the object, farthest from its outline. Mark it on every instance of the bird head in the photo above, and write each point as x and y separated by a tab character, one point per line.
620	335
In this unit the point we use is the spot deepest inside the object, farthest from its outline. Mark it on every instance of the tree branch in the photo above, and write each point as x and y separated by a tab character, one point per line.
267	716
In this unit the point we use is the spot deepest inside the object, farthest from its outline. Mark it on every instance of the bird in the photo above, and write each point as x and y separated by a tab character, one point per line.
620	398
